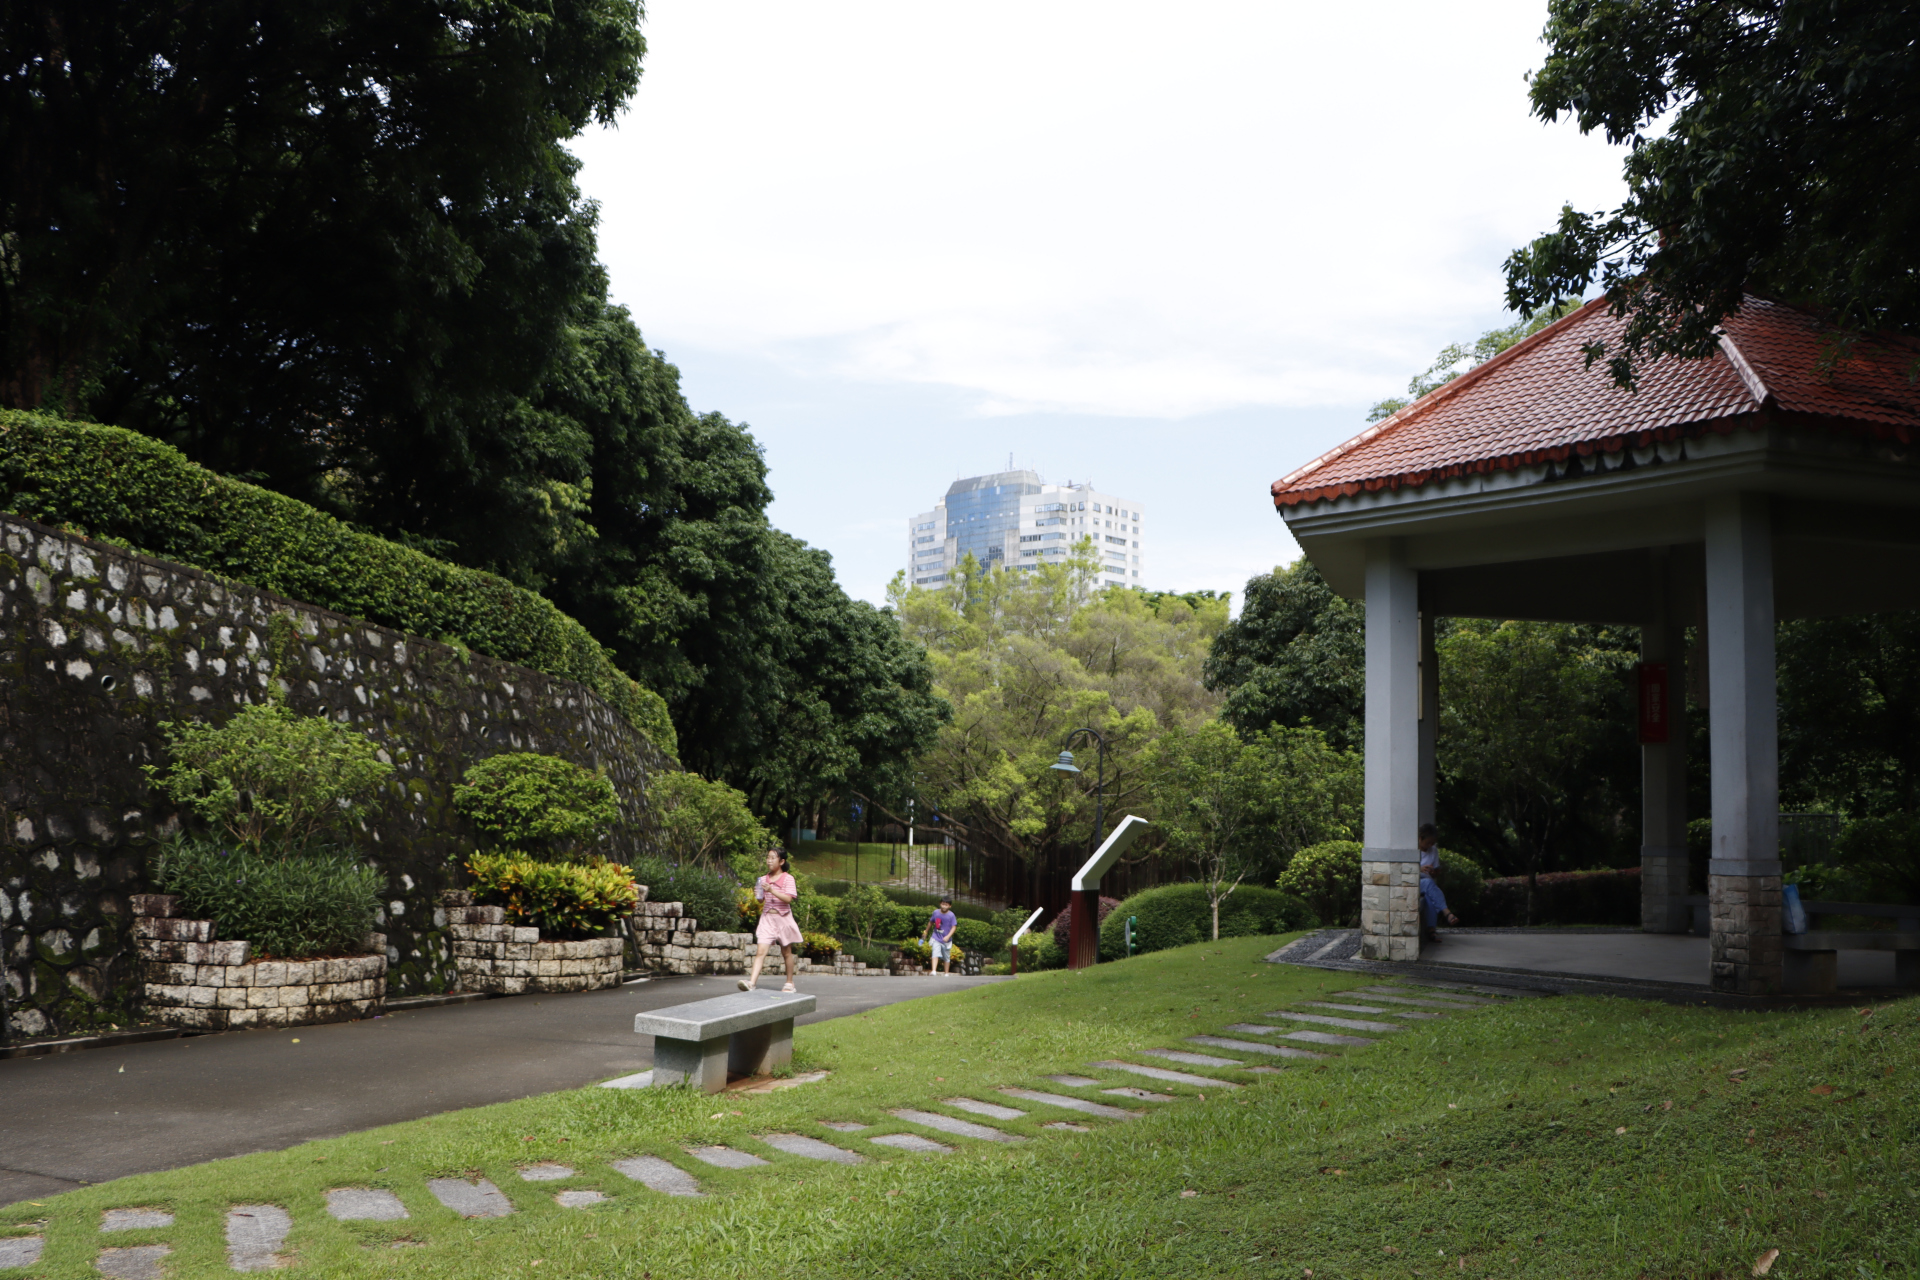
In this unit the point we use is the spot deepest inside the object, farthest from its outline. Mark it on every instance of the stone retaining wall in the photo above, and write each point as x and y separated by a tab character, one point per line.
192	981
666	941
492	955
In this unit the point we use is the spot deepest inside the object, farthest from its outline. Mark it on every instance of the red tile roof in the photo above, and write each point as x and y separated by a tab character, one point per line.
1538	402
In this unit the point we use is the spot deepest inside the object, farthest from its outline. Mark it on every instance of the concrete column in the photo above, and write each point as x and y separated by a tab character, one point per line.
1743	879
1663	766
1390	858
1429	716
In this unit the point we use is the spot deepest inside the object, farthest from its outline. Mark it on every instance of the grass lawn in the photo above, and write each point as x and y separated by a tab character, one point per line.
1542	1137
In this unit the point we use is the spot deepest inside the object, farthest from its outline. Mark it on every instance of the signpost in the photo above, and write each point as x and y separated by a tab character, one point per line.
1083	941
1013	948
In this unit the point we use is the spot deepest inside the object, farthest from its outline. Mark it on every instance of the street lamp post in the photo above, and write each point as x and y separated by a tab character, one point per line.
1083	931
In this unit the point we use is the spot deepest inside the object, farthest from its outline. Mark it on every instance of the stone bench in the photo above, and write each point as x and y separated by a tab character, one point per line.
749	1033
1811	962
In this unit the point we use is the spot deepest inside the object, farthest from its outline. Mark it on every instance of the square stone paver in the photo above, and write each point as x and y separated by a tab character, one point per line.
992	1110
958	1128
1191	1059
1350	1024
365	1204
1250	1046
140	1263
1346	1008
1171	1077
845	1126
659	1175
1074	1082
725	1157
545	1171
798	1144
477	1199
135	1219
1328	1037
1082	1105
912	1142
577	1199
255	1233
1145	1095
20	1251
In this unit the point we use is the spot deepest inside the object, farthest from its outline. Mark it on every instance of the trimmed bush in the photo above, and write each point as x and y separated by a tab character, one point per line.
317	904
979	935
1327	878
917	952
1174	915
523	798
819	946
708	896
920	898
874	957
123	487
1062	925
564	900
1565	897
1464	883
1039	951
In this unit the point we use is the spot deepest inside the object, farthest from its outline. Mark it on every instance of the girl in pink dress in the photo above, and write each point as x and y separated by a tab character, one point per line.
776	891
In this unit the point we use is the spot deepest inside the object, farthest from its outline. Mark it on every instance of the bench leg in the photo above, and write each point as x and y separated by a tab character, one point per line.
1906	969
699	1063
761	1051
1810	972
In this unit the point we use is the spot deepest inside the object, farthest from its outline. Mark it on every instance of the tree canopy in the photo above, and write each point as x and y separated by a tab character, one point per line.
1773	146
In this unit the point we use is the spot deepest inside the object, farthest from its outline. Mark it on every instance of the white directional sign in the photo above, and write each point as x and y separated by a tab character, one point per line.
1088	877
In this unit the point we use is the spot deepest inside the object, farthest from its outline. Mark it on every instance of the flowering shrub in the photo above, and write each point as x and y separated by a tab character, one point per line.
565	900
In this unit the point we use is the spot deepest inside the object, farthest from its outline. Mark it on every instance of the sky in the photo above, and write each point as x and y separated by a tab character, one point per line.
1176	250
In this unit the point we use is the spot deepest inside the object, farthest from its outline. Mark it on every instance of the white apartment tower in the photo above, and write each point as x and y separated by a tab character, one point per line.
1014	520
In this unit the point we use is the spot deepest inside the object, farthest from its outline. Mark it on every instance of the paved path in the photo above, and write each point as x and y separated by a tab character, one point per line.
77	1118
255	1232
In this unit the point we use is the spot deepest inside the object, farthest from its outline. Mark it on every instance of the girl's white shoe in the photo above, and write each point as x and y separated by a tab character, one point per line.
787	990
744	985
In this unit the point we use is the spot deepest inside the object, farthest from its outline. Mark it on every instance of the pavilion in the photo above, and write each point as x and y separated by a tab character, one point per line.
1778	478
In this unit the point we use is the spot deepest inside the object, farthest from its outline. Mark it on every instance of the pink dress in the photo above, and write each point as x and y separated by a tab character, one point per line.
776	917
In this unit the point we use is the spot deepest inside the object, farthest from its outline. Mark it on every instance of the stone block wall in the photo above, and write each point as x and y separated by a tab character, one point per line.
666	941
492	955
192	981
99	645
1746	947
1390	910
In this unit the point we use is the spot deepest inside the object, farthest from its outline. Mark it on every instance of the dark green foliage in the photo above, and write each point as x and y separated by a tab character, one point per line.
979	935
1775	147
1882	856
1174	915
920	898
1296	655
1463	882
525	800
1563	897
126	488
874	957
1850	714
1327	878
313	904
707	896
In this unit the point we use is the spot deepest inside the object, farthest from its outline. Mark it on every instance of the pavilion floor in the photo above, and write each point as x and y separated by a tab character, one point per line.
1608	953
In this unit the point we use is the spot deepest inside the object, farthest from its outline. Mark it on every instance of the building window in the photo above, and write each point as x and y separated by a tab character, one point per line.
922	528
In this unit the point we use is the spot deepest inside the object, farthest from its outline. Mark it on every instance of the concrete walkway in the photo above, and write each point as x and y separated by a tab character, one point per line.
1637	957
77	1118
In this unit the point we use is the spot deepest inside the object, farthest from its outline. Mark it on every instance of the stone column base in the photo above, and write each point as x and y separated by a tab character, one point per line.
1390	910
1745	936
1663	883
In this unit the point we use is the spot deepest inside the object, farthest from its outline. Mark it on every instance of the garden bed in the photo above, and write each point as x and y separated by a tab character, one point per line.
194	982
495	957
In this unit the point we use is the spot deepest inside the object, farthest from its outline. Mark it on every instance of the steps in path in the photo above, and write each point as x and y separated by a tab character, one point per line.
256	1233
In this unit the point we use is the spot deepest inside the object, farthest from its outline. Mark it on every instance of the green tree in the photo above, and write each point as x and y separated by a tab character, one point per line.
1456	357
1850	714
1295	655
706	822
528	801
1773	145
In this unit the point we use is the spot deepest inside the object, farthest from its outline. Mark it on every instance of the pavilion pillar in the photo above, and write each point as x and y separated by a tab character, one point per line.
1429	717
1390	857
1663	765
1743	878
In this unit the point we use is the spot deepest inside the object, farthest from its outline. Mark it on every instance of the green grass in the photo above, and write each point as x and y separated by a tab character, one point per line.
877	863
1491	1136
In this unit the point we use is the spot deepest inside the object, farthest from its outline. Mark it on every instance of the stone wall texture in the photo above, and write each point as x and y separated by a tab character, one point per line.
99	646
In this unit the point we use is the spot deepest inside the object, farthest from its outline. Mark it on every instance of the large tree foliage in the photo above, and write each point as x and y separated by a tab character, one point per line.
1295	655
1457	357
1774	146
1850	714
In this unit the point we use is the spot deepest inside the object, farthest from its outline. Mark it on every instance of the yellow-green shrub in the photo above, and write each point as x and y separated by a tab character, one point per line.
564	900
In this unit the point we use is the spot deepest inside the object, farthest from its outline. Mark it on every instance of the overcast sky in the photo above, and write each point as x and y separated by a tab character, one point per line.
1174	249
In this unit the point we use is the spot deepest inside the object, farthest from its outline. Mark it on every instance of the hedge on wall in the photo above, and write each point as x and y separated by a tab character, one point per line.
1565	897
120	486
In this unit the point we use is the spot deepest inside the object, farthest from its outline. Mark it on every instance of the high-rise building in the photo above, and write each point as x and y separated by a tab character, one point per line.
1014	520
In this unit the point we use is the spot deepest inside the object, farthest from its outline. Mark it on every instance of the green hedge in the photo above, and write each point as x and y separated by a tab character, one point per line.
1175	915
126	488
316	904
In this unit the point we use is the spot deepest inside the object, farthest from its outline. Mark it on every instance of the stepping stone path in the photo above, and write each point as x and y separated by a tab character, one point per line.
1071	1104
1191	1059
797	1144
958	1128
725	1157
1249	1046
911	1142
255	1233
142	1263
365	1204
1171	1077
659	1175
477	1199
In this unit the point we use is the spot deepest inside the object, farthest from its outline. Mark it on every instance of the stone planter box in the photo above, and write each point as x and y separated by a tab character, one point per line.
491	955
668	941
192	981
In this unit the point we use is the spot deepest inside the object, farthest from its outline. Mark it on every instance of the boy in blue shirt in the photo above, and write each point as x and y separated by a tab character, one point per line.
940	929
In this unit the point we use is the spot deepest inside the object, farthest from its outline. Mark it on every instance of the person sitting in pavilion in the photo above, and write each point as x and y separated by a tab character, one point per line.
1433	902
